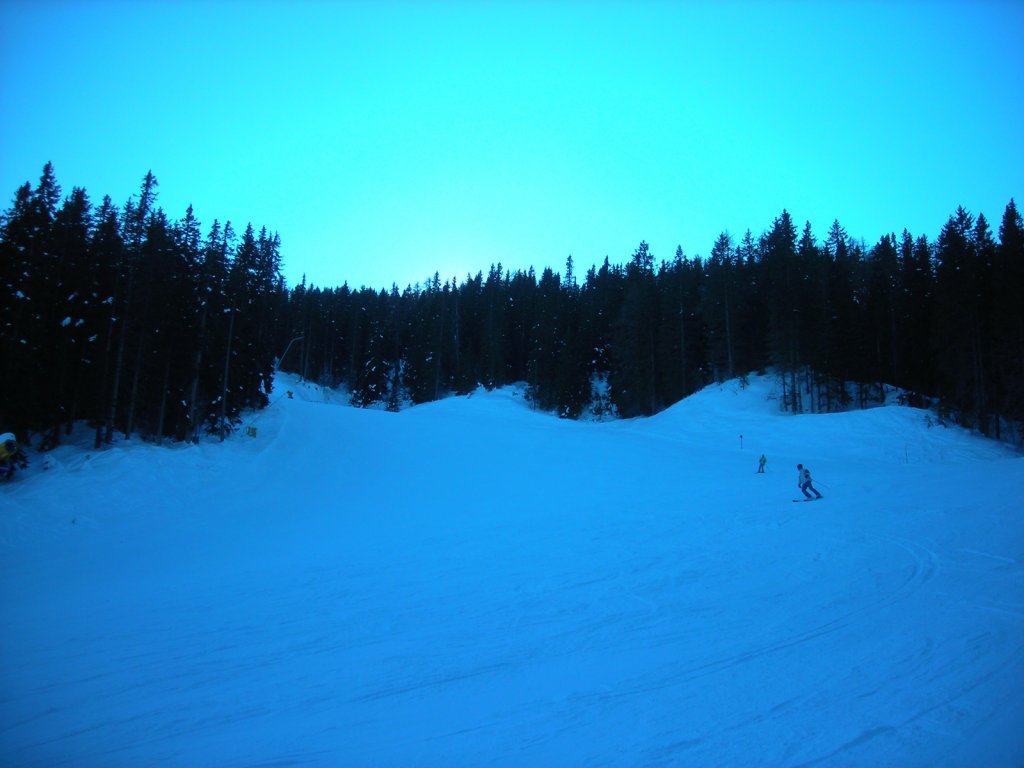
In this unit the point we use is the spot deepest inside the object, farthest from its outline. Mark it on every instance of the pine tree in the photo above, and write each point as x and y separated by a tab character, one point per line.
959	316
134	221
573	372
784	280
373	374
681	351
819	344
882	311
208	274
71	299
521	290
719	306
467	327
634	372
15	304
108	253
917	315
1007	313
547	336
31	331
492	341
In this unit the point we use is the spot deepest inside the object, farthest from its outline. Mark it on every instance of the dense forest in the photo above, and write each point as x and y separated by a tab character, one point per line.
146	325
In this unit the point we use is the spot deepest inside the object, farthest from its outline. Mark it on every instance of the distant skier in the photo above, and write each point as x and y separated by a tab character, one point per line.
760	464
804	482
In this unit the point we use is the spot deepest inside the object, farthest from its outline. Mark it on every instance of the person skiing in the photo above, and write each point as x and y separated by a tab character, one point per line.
804	482
760	464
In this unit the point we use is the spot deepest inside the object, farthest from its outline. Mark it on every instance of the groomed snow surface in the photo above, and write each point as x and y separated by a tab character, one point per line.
474	583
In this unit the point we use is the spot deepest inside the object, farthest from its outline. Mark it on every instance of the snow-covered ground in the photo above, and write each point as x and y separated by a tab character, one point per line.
471	583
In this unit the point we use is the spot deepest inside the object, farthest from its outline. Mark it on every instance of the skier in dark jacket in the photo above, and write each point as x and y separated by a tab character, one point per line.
804	482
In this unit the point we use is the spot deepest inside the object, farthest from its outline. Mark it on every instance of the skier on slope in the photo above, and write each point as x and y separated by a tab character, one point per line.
760	464
804	482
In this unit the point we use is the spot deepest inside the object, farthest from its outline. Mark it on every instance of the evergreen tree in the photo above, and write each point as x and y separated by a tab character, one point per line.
719	307
15	304
493	366
468	326
548	342
634	372
373	374
208	274
784	283
917	313
881	307
600	306
521	292
1007	318
681	351
135	303
74	301
573	373
816	320
959	316
108	255
31	332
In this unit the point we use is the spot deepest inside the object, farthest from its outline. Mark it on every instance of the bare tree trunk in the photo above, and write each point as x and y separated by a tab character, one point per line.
980	396
437	354
682	349
163	399
224	382
76	391
306	347
895	345
193	405
455	332
133	398
119	363
728	331
654	378
793	389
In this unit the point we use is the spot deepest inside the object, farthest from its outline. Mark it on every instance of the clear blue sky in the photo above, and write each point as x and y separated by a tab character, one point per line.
386	141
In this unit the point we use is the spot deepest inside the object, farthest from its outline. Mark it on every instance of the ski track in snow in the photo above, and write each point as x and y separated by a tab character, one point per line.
473	583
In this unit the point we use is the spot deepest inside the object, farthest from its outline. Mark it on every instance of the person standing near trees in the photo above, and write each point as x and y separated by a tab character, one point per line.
11	455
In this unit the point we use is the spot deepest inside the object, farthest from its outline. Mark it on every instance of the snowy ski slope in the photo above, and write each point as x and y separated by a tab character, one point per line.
473	583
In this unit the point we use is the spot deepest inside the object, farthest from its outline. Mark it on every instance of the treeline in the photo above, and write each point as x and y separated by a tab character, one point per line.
132	321
944	320
141	324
